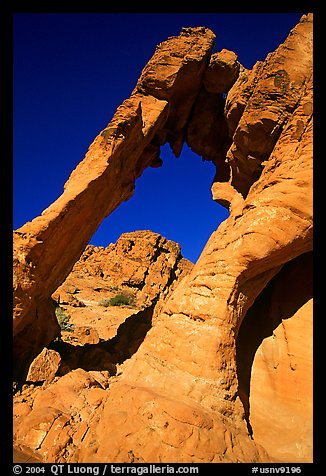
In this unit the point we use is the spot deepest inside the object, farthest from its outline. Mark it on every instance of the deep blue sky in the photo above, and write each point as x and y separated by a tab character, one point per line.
71	72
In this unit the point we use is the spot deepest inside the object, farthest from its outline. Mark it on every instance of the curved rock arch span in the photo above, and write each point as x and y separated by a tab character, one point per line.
260	138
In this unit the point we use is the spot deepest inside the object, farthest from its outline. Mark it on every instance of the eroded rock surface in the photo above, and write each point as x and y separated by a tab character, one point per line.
142	263
46	249
44	366
191	393
274	358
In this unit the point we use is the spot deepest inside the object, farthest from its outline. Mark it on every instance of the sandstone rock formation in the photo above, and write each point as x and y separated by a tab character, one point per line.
279	355
46	249
209	377
44	366
143	263
139	272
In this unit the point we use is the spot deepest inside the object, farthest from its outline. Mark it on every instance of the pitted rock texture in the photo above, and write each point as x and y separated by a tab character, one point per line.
44	366
192	392
112	296
274	91
143	263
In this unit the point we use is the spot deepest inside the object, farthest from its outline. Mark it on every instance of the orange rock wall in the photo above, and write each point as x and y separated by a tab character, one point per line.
185	395
275	363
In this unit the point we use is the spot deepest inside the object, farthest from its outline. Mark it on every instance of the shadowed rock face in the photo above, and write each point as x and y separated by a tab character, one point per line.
190	393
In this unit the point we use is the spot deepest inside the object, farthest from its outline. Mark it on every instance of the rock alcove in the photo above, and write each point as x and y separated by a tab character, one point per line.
183	396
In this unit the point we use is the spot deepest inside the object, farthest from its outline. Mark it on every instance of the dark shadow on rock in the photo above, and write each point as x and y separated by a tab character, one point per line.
106	355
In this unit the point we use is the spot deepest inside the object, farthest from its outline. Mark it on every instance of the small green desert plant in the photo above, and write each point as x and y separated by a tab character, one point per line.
63	319
105	302
121	300
118	300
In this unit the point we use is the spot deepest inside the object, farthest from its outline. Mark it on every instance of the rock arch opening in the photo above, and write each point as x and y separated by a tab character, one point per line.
274	362
165	107
186	365
179	206
174	201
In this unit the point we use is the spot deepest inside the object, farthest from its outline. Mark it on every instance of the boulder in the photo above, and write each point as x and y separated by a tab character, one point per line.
222	72
44	366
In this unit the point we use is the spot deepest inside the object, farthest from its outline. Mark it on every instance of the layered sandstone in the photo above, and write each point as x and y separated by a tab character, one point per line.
213	371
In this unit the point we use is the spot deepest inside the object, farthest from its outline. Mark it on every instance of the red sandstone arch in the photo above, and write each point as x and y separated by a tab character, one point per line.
266	180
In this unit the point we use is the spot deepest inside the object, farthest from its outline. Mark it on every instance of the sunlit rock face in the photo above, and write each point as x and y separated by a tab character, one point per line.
274	357
46	249
214	370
